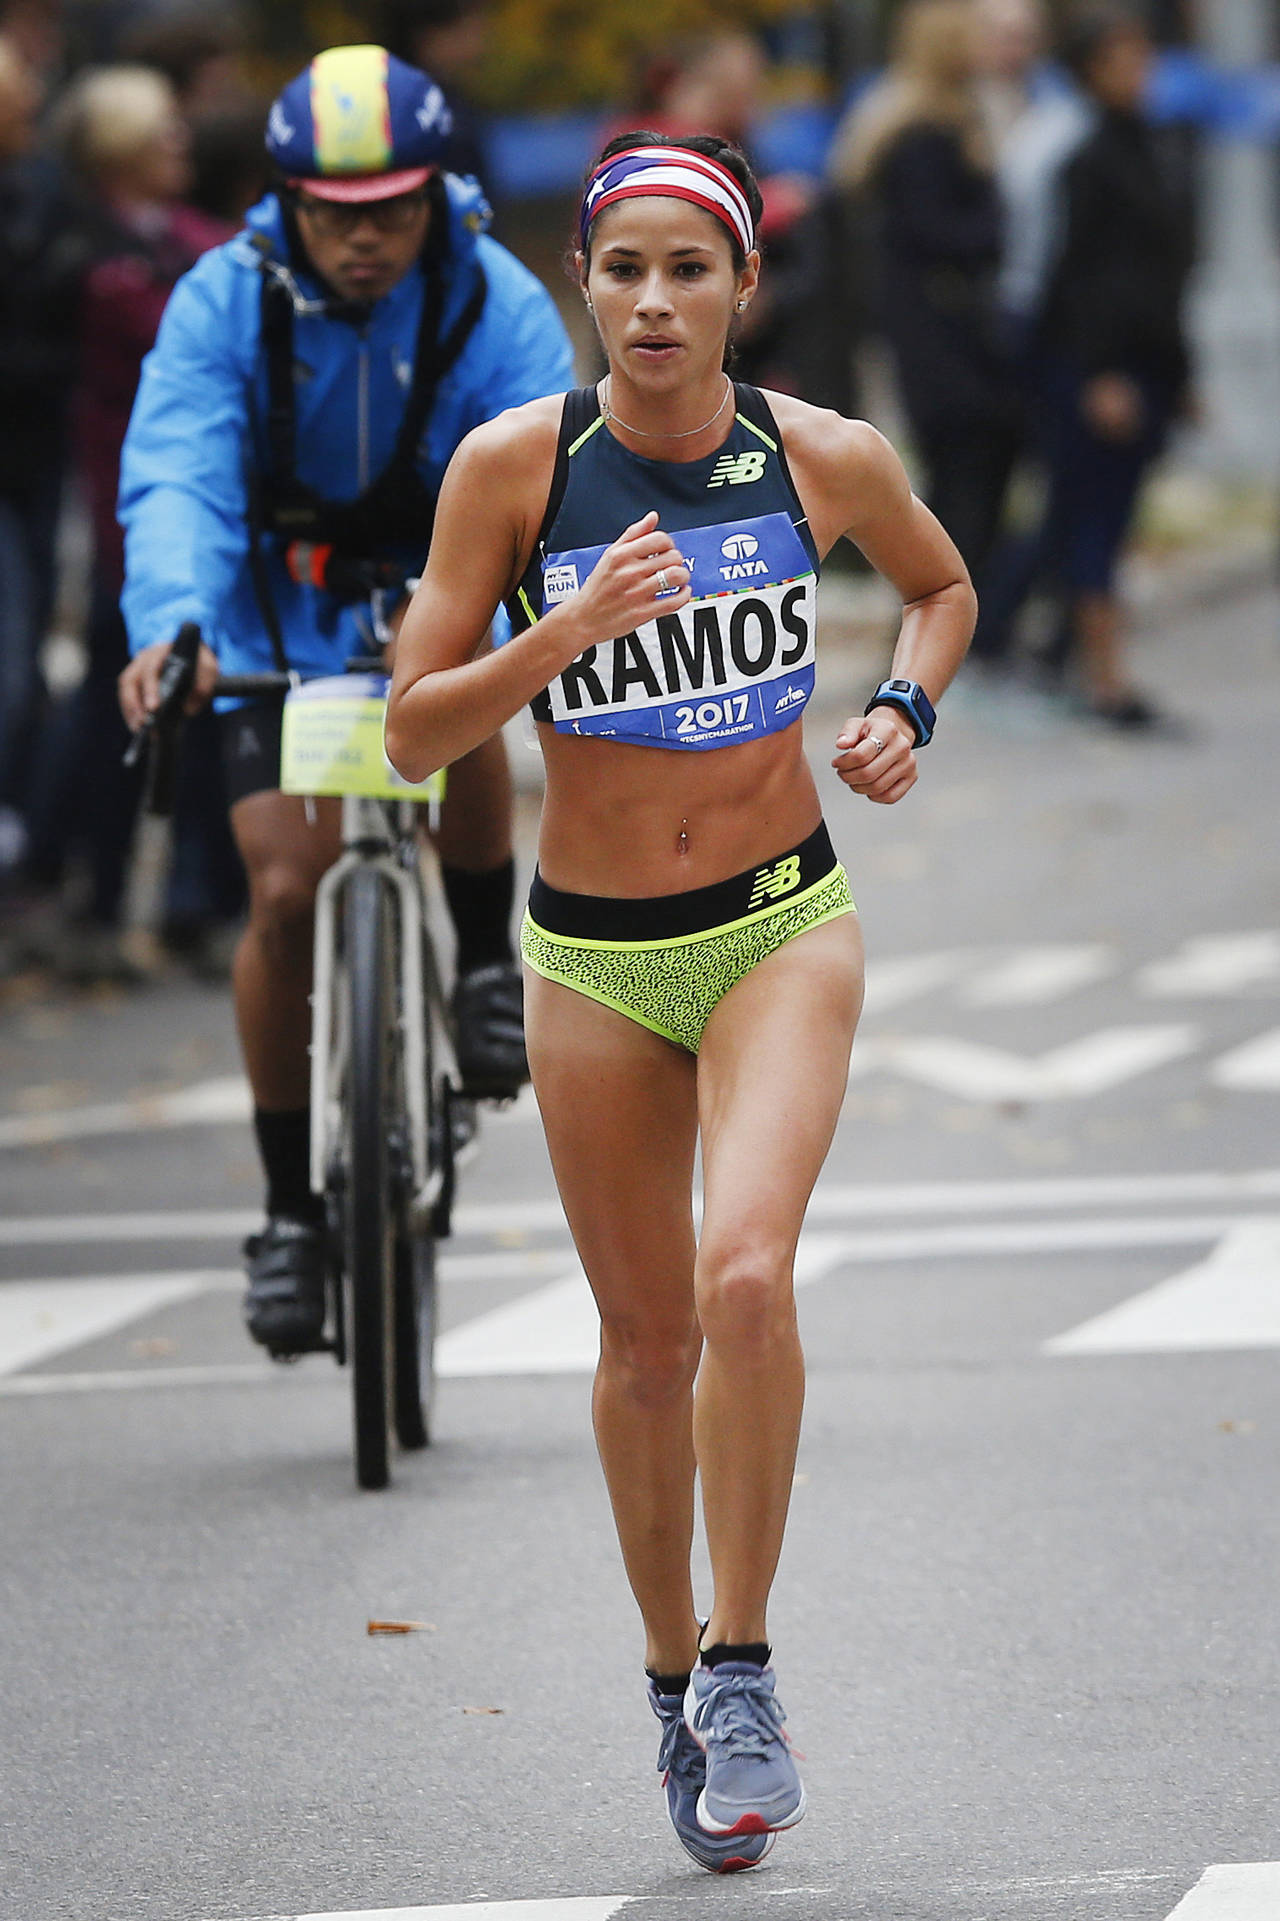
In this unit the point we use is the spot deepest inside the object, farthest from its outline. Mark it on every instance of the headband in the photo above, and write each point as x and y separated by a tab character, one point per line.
675	171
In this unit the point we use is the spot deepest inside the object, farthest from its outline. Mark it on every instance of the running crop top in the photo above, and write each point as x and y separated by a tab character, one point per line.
736	662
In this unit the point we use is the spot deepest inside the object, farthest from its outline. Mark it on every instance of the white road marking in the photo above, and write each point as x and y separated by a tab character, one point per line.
1035	975
831	1201
554	1328
977	1072
42	1318
129	1380
1214	965
904	1199
1253	1068
557	1330
892	983
571	1908
1229	1300
203	1104
1247	1891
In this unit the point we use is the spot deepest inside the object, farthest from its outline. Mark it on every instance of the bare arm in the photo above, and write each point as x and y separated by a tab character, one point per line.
446	697
853	484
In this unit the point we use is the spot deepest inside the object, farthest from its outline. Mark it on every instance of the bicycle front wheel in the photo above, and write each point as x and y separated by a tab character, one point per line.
415	1331
369	1213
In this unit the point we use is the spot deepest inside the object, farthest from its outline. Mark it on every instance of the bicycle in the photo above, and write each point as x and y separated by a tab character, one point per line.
387	1111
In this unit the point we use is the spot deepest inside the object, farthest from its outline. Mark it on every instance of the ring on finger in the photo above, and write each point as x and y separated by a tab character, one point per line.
664	584
876	742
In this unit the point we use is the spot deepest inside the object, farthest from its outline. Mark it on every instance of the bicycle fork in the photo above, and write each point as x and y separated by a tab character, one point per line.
367	842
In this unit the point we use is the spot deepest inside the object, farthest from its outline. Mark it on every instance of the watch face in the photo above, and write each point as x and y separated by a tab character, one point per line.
900	686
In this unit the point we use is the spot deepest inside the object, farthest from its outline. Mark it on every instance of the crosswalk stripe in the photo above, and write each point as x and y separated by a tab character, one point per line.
41	1318
1253	1067
570	1908
831	1201
1036	975
975	1072
1230	1300
557	1330
204	1104
1214	964
1245	1891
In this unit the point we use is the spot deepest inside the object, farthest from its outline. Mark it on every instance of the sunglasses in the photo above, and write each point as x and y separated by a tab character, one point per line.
335	219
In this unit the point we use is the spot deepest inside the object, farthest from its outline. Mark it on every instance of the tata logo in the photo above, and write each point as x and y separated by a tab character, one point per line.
739	546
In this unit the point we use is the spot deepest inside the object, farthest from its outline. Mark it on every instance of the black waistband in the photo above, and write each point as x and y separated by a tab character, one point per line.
671	916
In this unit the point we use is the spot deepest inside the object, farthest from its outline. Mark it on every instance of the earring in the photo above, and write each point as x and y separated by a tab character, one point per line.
742	305
590	308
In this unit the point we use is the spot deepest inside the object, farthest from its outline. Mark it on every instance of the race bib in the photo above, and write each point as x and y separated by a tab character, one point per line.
331	742
736	662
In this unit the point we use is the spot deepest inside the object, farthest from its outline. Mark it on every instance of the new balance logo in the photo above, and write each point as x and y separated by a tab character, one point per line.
737	470
771	883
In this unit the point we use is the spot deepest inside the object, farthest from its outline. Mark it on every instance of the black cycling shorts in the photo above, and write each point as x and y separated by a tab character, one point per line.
251	749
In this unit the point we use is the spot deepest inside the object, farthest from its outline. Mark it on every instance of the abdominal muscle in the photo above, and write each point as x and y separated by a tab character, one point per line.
631	822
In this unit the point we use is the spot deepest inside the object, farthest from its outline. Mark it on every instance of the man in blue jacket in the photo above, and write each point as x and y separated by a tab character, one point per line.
310	380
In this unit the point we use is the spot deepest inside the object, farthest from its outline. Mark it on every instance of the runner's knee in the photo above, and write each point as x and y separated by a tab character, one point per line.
746	1303
652	1365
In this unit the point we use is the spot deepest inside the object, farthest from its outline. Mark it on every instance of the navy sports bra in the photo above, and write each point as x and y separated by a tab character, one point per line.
736	661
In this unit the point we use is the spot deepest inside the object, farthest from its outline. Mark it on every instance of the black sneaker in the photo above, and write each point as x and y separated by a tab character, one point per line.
488	1015
284	1305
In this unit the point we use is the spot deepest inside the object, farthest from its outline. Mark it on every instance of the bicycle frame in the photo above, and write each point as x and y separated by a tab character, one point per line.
382	835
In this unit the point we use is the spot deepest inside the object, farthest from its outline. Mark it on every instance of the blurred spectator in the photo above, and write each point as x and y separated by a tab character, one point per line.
201	57
447	39
1035	119
917	148
1115	358
715	83
42	255
36	31
707	83
128	147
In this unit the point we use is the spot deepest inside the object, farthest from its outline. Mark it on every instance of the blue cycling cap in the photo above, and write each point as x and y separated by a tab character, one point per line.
358	124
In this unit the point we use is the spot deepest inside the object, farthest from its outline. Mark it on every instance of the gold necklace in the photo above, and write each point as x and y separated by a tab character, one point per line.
643	432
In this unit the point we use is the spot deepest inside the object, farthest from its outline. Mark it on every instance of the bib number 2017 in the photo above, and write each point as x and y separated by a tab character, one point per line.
712	713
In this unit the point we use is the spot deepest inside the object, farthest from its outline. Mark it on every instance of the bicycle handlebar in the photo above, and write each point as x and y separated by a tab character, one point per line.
159	730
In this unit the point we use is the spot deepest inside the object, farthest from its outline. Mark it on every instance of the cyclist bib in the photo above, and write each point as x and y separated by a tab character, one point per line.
734	663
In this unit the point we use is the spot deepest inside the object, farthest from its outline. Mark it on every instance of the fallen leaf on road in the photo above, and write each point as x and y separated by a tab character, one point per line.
401	1627
484	1710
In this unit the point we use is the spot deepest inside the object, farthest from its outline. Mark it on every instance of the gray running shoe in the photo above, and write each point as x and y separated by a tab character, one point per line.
752	1785
683	1767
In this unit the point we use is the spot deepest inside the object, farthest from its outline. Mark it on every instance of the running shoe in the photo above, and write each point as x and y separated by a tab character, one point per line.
683	1767
488	1014
284	1303
752	1786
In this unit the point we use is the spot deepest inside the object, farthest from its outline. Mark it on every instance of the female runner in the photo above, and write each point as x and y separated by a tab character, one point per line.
693	960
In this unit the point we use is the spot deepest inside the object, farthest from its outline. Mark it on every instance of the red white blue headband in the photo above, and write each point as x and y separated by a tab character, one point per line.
675	171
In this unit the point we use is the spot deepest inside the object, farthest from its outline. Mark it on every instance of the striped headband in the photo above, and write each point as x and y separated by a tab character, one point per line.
676	171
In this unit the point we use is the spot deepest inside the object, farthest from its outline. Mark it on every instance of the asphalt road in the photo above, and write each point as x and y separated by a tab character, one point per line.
1026	1623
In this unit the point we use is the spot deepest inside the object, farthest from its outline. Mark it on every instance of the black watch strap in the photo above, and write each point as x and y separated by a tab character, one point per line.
909	697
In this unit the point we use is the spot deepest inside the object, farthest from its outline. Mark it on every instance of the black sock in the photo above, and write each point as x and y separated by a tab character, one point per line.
480	908
669	1683
284	1142
757	1651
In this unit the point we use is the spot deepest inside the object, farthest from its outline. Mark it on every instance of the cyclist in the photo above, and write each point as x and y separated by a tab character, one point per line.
693	959
309	382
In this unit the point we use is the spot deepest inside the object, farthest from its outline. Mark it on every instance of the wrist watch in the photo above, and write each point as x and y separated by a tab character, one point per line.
909	697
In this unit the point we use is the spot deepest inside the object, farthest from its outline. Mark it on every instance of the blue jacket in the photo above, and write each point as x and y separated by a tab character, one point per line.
196	429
